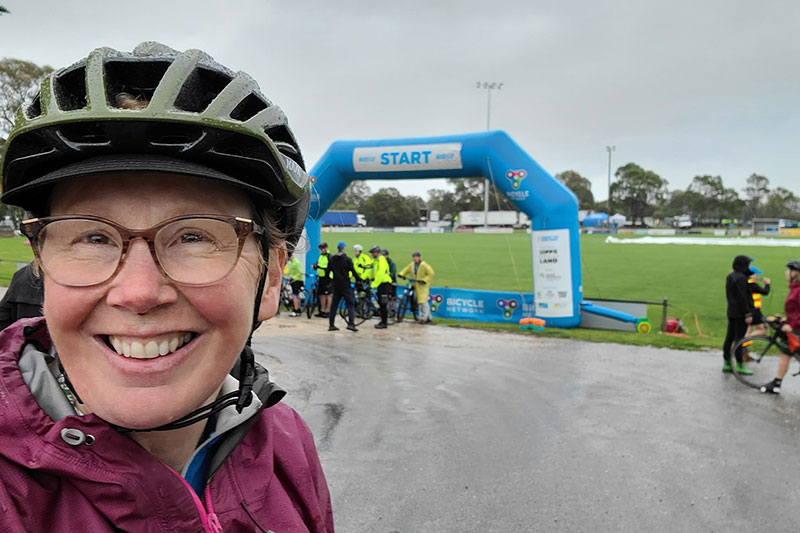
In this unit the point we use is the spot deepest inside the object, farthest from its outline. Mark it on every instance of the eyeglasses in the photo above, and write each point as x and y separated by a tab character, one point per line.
80	251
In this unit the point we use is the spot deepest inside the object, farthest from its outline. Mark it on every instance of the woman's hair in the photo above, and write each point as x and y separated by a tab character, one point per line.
794	276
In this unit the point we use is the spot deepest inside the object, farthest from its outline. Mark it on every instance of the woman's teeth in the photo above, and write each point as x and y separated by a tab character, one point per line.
149	349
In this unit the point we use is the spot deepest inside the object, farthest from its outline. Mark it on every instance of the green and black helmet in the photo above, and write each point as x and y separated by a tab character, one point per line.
155	110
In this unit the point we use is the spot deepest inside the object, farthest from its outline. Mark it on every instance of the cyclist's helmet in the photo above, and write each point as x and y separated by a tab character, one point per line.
341	245
385	251
374	249
793	265
322	245
416	253
155	110
357	247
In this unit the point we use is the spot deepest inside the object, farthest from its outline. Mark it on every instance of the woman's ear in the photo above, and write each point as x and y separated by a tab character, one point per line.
270	298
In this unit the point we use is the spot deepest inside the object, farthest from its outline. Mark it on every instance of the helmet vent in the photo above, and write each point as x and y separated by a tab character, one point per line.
248	108
285	143
200	89
35	109
70	89
137	79
84	133
175	135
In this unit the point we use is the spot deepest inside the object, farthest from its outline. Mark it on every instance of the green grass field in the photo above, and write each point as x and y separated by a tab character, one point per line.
12	251
692	277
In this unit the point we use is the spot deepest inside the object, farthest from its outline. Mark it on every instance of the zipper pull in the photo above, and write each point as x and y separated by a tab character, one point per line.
213	521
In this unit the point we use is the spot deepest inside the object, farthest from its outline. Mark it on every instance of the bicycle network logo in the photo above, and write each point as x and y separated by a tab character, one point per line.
507	306
435	300
516	177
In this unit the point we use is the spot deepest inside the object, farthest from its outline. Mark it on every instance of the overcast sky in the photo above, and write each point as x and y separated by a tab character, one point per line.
680	87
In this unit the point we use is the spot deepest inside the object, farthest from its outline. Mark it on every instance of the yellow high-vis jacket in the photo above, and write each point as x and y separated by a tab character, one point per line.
423	272
380	272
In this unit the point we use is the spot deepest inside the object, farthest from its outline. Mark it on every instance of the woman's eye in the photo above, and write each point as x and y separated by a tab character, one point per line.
191	238
94	238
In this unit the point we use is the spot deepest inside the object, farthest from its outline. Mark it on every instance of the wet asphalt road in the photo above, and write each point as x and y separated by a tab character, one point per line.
435	429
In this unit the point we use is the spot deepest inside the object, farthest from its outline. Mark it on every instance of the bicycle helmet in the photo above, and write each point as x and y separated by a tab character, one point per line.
322	245
374	249
357	247
793	265
416	253
159	110
341	245
155	110
385	252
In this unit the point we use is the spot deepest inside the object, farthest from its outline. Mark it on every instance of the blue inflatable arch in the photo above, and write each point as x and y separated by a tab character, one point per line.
552	208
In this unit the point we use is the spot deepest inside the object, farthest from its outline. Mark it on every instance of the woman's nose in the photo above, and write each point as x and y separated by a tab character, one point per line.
139	285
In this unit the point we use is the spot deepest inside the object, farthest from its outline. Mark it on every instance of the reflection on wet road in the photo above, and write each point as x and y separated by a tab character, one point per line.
429	429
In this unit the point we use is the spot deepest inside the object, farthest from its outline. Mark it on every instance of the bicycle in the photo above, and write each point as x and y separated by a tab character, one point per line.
407	302
365	308
312	296
286	294
763	352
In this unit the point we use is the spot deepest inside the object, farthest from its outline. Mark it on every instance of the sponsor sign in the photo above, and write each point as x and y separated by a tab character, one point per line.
442	156
552	273
484	306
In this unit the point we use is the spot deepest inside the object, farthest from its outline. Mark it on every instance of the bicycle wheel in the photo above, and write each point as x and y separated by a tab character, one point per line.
392	308
310	304
761	356
363	311
402	305
412	304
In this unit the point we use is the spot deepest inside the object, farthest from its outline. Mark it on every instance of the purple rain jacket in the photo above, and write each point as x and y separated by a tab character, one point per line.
53	477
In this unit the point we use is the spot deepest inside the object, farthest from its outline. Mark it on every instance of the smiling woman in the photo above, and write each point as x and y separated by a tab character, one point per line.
162	218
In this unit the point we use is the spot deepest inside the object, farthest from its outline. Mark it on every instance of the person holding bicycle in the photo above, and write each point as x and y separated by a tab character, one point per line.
363	266
790	326
382	283
342	268
422	274
324	280
165	191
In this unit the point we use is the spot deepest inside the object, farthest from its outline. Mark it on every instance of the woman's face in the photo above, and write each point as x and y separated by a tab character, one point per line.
789	275
139	306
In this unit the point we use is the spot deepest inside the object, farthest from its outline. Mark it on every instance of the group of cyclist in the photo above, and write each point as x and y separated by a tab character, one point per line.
745	318
340	277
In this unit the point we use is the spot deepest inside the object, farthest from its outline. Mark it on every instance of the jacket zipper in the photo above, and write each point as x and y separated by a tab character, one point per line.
210	519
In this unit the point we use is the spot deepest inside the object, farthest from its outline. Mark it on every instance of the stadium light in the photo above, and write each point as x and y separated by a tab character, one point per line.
610	149
488	85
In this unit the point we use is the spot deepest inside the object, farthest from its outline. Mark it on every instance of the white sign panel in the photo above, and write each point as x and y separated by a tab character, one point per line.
443	156
552	273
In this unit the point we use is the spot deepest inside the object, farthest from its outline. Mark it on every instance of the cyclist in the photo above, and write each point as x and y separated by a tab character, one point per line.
393	275
294	271
791	326
324	280
342	268
135	403
422	274
382	283
363	267
740	312
758	326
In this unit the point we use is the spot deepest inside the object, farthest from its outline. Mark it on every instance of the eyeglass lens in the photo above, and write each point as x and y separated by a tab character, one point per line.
83	252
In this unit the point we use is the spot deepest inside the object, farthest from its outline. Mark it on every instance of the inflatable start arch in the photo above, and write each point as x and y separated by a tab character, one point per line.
552	208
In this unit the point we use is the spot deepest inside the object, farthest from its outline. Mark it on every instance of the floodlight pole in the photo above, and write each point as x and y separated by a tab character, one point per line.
488	85
610	149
